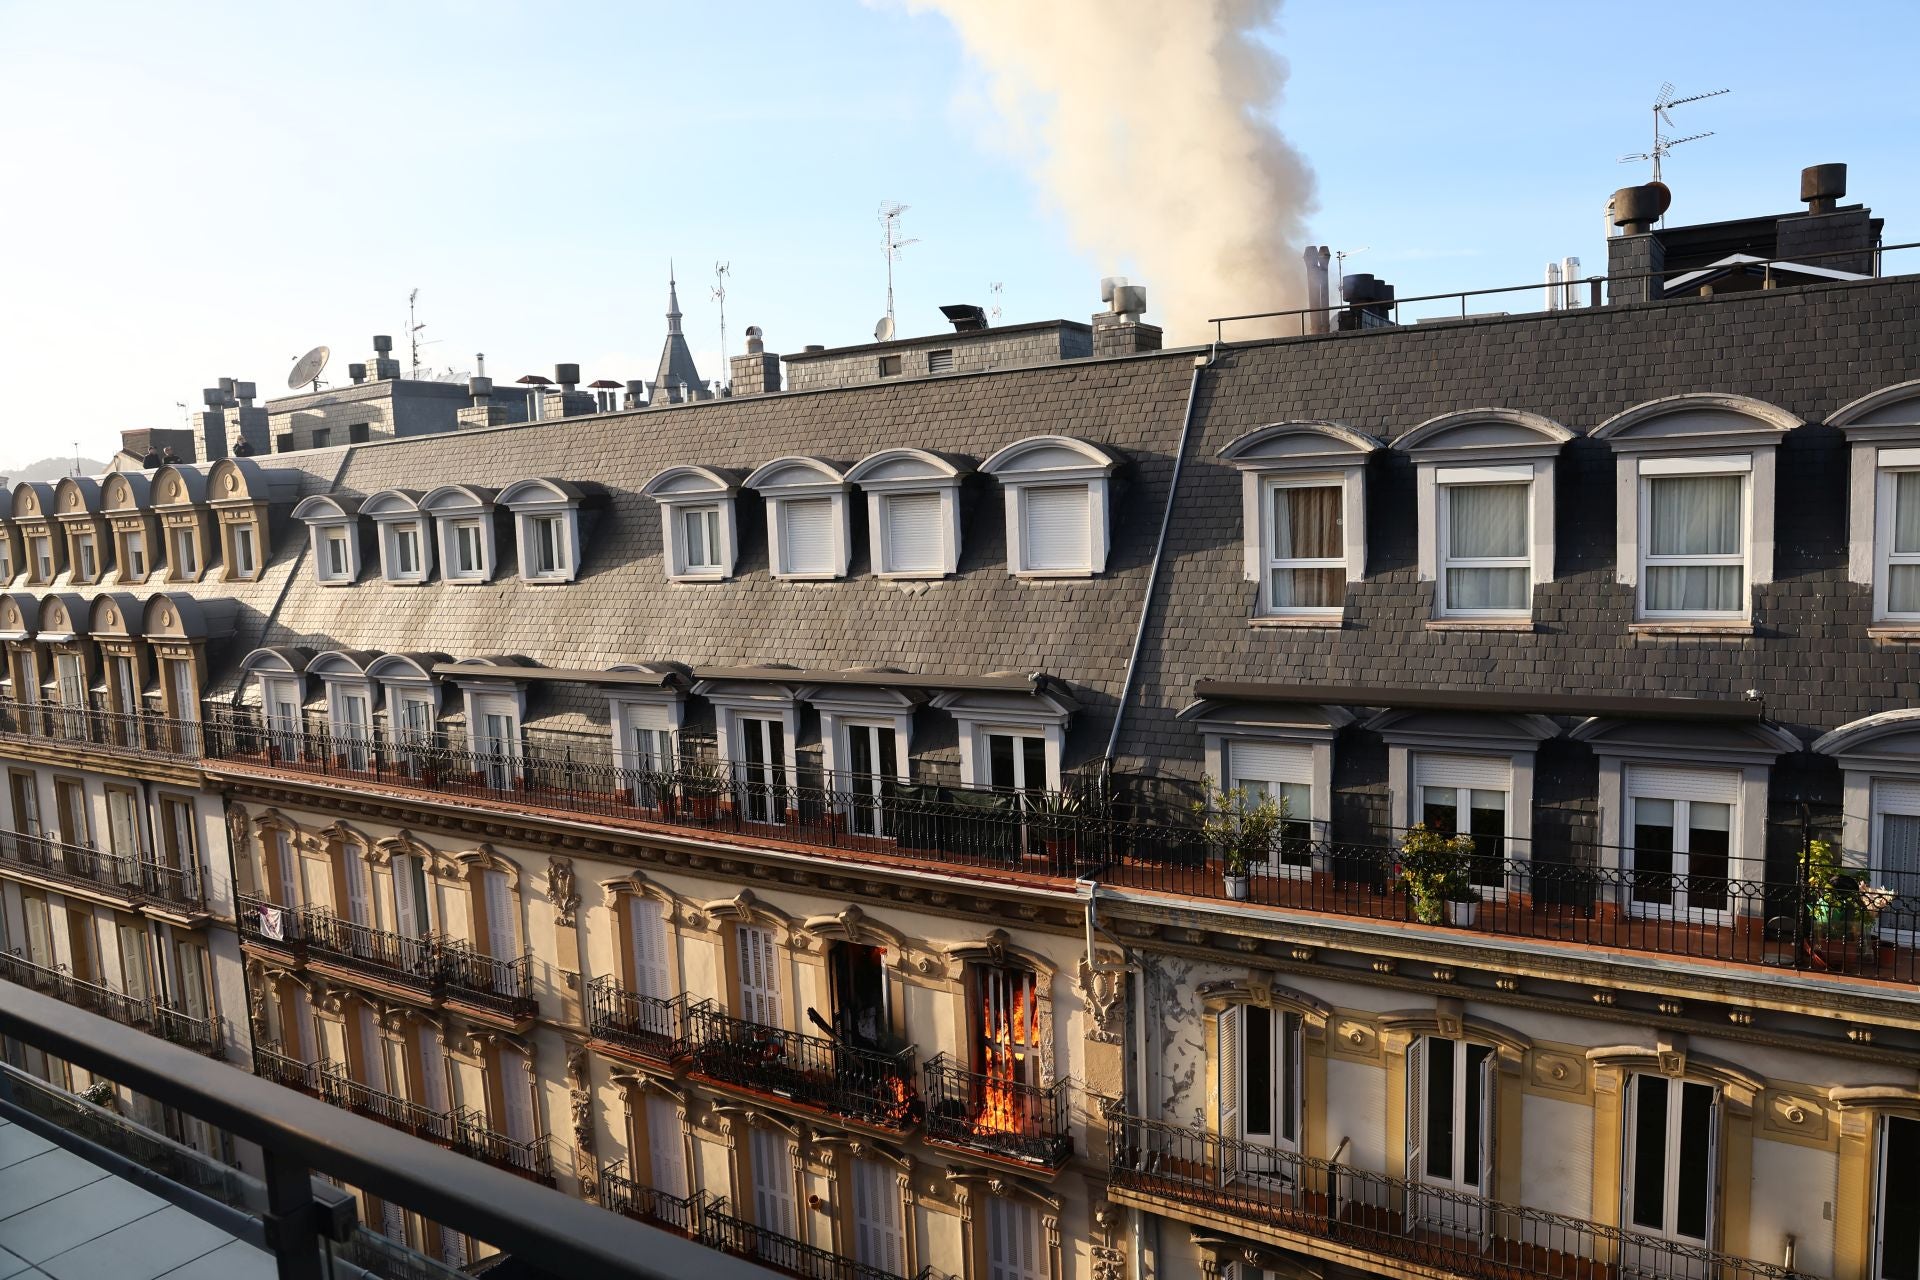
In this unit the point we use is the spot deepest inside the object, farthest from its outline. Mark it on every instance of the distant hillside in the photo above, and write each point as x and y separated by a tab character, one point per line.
52	469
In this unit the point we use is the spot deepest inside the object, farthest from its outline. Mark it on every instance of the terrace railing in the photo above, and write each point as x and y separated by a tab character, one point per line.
152	1016
620	1193
130	879
721	1230
811	1071
271	1063
95	726
1447	1231
653	1028
1023	1122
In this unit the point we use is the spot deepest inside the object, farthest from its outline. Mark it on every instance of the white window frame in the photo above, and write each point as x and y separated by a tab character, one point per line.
453	508
327	517
135	563
1890	465
1676	1092
1308	454
392	529
1283	1043
709	516
242	537
1269	539
533	502
978	716
1654	469
86	557
679	488
796	479
1683	787
894	473
659	714
1047	462
499	761
1450	480
179	537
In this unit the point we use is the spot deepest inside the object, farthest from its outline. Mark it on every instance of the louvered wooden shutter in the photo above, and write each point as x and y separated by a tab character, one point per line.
1056	532
665	1146
1012	1252
502	938
1232	1021
517	1094
759	977
1416	1106
878	1239
912	533
433	1071
806	535
649	925
772	1182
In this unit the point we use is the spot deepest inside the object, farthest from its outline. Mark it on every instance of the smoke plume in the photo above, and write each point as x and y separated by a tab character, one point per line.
1147	123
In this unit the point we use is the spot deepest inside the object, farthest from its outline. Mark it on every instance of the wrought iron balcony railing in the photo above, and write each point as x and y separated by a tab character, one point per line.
721	1230
131	880
1001	1117
95	726
151	1016
437	966
270	1062
649	1027
1450	1232
618	1192
875	1088
464	1129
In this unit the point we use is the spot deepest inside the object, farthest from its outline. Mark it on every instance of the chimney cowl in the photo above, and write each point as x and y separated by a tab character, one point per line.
480	388
357	372
814	348
567	375
382	343
1636	209
754	343
1822	186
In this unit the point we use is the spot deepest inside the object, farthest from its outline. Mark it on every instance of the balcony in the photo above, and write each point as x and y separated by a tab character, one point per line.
859	1085
128	882
463	1130
1368	1219
781	1253
997	1117
678	1214
434	968
270	1063
641	1029
92	725
151	1016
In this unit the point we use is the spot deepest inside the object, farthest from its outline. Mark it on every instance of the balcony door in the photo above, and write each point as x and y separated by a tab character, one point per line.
879	1237
411	897
772	1190
1449	1133
1681	859
1469	795
1672	1161
1896	1244
282	698
1015	1249
359	888
1893	861
648	951
1258	1065
759	976
873	761
26	804
762	755
1282	772
70	678
666	1147
352	728
496	739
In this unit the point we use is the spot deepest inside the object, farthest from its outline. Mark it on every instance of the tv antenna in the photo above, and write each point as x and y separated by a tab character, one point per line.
720	273
996	291
1664	143
307	369
413	334
1340	257
890	211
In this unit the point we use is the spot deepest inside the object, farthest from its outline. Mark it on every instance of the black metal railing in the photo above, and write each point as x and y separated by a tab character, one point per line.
438	966
532	1158
96	726
729	1234
463	1129
1003	1117
132	880
1454	1232
860	1084
270	1062
653	1028
150	1015
620	1193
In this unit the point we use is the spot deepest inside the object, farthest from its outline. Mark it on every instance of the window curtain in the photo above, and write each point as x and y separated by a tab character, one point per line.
1903	580
1487	522
1694	516
1900	853
1307	526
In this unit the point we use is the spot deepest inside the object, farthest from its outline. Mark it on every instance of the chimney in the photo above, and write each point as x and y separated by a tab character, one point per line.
1119	330
1553	286
758	371
1369	302
383	364
1636	256
567	375
1822	185
481	389
244	392
482	412
1317	257
357	372
636	394
1827	235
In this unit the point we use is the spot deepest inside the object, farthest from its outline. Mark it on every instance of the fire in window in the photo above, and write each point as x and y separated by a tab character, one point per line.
1006	1047
857	976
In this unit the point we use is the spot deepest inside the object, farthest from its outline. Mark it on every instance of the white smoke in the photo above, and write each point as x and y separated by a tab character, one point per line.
1148	123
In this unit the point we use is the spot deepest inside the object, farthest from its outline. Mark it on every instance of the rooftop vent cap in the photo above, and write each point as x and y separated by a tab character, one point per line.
1822	186
357	372
755	345
1636	209
382	344
814	347
966	317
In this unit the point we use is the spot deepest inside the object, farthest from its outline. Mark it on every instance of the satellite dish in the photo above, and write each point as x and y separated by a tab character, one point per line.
883	332
307	369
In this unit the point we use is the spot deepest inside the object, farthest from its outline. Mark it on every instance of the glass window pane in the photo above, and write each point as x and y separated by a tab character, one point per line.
1440	808
1649	1186
1898	855
1487	521
1903	588
1906	513
1653	850
1471	1139
1258	1095
1487	589
1899	1191
1309	588
1307	523
1694	515
1696	1160
1694	588
1439	1107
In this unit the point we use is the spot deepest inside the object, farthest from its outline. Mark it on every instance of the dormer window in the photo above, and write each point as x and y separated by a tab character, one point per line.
546	516
403	535
1695	532
333	533
463	519
699	535
243	558
1057	497
133	556
913	512
40	558
1883	439
1304	517
807	532
1485	503
242	495
185	555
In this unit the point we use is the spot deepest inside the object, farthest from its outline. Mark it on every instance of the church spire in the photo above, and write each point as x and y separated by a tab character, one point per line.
673	302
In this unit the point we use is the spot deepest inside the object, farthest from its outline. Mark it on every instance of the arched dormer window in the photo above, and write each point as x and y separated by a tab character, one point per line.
1484	501
1303	517
410	695
406	553
546	522
1057	491
699	532
126	501
44	551
83	529
1883	534
1695	483
464	528
349	706
180	500
333	526
807	526
241	495
281	676
913	512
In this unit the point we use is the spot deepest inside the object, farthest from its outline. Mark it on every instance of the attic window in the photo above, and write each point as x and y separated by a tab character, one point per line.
463	520
913	512
243	557
696	522
546	516
889	366
1056	494
333	534
405	555
807	530
940	361
1303	517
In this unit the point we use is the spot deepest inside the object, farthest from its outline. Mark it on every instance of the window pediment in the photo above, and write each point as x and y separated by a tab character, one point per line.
1039	459
126	491
1463	731
32	500
1507	433
540	492
458	499
76	497
1889	739
60	618
1304	445
699	531
114	616
796	475
691	483
906	468
19	615
1700	420
327	509
1889	413
1756	743
176	486
392	504
170	615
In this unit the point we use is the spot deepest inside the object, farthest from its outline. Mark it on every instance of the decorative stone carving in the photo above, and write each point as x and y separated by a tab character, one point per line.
1101	990
560	890
586	1165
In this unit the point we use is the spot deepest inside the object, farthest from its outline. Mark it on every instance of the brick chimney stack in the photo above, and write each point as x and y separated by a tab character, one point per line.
1119	330
758	371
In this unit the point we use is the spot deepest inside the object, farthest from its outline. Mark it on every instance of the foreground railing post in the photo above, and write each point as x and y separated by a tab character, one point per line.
292	1218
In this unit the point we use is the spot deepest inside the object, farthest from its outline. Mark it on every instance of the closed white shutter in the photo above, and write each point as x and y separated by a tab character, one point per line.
517	1093
373	1058
1056	531
1896	797
649	924
303	1024
878	1239
503	940
1489	773
666	1146
912	533
759	977
433	1071
289	875
1416	1106
1661	782
772	1182
1013	1246
1228	1060
806	535
359	894
1270	762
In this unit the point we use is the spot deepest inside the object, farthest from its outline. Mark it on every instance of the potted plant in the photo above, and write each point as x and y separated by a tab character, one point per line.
1054	820
1240	830
1839	906
1433	867
701	785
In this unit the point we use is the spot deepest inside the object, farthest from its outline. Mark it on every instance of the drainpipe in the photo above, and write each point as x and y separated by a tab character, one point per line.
1200	365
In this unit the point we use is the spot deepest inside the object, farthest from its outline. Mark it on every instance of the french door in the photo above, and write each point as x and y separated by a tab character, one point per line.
353	734
1682	824
1259	1077
1449	1133
872	766
772	1191
759	976
1672	1157
1894	859
763	775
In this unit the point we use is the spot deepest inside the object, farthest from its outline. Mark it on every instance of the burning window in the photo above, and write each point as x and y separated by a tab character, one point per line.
1006	1046
858	975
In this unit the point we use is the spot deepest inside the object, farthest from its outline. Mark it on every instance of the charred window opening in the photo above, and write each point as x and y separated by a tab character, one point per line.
857	975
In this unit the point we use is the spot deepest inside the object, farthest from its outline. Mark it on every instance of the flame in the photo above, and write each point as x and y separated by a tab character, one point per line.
1006	1045
902	1098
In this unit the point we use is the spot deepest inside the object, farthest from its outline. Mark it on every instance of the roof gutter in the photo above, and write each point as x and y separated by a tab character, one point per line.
1200	365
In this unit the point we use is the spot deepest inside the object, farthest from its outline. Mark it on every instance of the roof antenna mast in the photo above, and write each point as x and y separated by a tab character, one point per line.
1663	144
890	211
720	272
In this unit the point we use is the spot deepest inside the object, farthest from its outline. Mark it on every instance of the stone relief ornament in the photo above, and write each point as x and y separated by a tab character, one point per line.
580	1099
560	890
1101	991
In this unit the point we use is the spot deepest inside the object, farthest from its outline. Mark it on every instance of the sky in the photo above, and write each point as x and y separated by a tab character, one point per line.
197	190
